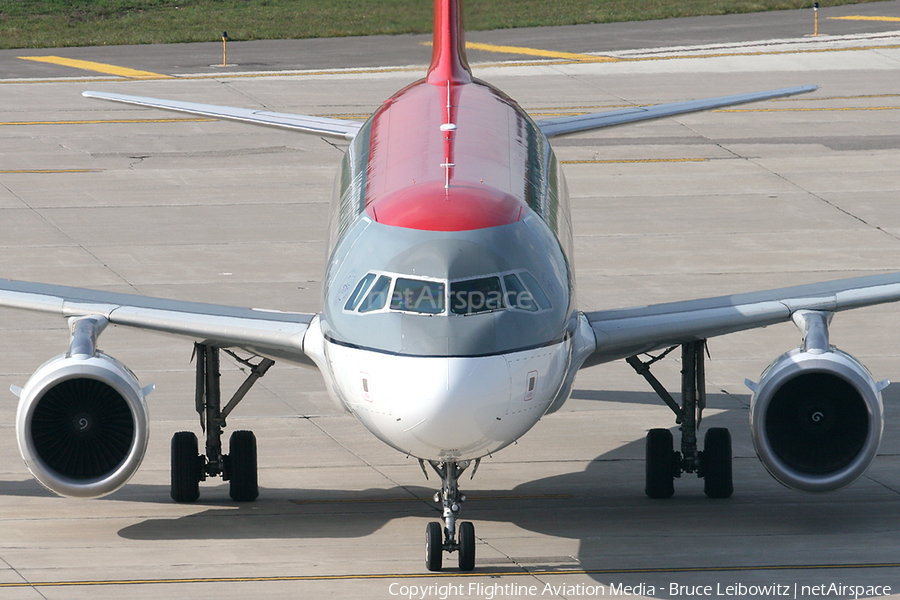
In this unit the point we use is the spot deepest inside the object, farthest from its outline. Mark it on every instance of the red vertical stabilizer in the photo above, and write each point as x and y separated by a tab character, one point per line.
448	59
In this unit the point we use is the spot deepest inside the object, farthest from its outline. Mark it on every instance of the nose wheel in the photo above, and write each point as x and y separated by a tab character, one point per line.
450	538
434	546
466	546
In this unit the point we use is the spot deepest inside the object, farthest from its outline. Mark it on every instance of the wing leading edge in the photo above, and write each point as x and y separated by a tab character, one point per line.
303	123
266	333
573	124
627	332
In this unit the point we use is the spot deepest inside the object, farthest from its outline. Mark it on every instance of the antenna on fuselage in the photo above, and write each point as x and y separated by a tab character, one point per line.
448	128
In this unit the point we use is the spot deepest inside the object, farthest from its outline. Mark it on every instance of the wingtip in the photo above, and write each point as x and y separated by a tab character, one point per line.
101	95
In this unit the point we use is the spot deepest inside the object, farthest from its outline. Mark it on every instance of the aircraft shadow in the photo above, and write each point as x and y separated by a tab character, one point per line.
602	506
28	488
643	398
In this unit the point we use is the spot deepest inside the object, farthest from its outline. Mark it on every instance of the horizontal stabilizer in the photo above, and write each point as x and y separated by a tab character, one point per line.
564	125
303	123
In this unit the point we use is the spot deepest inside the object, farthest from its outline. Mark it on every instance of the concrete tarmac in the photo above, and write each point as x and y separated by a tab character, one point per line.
120	198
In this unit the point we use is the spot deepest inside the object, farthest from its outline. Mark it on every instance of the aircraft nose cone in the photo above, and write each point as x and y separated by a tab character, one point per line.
451	406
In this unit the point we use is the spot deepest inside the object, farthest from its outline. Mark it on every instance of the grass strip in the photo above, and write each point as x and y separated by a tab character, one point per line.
62	23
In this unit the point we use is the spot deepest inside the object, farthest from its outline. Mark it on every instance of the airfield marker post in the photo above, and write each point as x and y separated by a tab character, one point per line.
225	49
816	19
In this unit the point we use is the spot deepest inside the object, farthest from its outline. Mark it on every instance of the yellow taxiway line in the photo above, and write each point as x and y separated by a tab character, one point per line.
88	65
107	121
427	500
45	171
537	52
860	18
806	109
563	57
486	573
630	161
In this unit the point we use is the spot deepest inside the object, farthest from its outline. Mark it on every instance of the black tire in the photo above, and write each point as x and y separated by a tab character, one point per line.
244	485
715	462
660	464
466	546
434	546
187	467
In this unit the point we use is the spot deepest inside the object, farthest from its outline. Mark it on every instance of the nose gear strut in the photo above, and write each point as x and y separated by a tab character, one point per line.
453	539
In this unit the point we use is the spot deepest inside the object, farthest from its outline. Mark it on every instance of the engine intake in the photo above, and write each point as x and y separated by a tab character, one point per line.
816	419
82	425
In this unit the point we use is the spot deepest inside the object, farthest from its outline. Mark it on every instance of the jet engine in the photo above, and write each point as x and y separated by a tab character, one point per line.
816	418
82	423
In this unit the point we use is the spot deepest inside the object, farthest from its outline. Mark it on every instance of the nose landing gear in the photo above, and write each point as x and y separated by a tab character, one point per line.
450	538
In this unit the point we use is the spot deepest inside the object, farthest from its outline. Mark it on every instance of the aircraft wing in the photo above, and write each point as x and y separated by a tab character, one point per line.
627	332
303	123
563	125
266	333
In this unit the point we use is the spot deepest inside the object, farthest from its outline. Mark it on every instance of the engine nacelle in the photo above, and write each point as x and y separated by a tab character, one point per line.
82	425
816	419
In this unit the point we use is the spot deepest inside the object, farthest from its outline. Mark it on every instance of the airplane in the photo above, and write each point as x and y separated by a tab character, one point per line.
449	325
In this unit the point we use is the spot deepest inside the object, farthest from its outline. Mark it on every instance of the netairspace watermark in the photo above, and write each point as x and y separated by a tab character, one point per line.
493	591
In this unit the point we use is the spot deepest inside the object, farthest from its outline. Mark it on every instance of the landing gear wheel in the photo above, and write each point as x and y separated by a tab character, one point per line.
715	462
434	546
660	464
466	537
187	467
242	467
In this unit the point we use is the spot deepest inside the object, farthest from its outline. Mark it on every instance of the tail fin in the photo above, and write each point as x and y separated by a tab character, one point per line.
448	59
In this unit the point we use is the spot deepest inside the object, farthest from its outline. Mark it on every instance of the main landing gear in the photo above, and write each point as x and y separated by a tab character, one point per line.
663	463
449	538
238	467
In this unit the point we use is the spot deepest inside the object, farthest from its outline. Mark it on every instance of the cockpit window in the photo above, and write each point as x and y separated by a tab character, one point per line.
418	295
516	291
539	296
476	295
377	296
517	295
357	294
